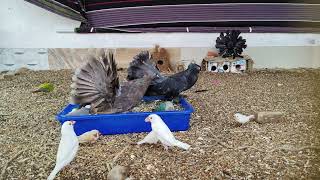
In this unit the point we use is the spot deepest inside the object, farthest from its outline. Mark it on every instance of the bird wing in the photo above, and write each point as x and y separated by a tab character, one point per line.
131	93
173	85
150	138
169	87
68	146
96	83
241	116
163	133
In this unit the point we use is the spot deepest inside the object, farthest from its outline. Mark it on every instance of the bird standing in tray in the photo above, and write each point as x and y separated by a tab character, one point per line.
170	86
161	132
67	149
97	84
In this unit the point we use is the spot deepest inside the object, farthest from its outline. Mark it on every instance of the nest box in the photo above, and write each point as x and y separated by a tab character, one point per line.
161	58
239	66
179	67
223	65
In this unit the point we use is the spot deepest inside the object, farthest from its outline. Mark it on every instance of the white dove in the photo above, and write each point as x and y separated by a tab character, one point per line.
161	132
67	149
242	119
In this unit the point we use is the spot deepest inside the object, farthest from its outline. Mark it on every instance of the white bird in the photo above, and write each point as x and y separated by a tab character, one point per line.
90	136
67	149
242	119
161	132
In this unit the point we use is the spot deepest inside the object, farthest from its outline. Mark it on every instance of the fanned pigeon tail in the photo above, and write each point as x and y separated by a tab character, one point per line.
182	145
96	83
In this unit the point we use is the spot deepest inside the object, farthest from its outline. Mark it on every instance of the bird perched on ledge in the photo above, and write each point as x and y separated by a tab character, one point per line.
169	86
97	84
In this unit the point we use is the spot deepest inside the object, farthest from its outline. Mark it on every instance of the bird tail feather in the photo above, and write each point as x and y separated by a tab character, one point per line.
252	117
182	145
97	82
53	174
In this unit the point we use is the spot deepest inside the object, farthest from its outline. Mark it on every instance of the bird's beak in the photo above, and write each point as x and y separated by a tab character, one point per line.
72	122
97	135
147	119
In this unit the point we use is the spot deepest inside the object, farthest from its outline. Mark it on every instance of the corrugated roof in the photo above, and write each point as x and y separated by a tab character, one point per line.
189	15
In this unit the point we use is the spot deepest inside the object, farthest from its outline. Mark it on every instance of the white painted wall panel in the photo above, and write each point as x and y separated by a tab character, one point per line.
32	58
285	57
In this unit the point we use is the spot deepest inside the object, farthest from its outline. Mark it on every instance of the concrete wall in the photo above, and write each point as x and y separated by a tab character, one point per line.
24	25
270	56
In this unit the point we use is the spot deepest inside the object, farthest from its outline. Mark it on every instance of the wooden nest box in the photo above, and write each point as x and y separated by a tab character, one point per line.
220	64
161	58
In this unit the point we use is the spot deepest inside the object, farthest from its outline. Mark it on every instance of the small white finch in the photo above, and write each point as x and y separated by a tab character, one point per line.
161	132
90	136
67	149
242	119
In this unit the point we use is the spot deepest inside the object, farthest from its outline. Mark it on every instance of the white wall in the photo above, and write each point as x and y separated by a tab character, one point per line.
24	25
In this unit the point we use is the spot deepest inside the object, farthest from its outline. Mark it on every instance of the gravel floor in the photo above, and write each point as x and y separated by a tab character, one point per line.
221	149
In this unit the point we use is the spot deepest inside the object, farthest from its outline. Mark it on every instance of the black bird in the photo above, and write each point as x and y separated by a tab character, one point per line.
168	86
97	83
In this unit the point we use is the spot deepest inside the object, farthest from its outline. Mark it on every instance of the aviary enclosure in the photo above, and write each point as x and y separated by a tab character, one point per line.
147	113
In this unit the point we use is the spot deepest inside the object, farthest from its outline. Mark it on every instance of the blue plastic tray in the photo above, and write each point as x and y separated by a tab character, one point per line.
131	122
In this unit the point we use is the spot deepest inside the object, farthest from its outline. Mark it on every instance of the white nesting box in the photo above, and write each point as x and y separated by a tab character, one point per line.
218	66
224	67
212	66
239	66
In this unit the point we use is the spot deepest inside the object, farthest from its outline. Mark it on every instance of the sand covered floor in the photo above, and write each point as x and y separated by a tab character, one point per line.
29	133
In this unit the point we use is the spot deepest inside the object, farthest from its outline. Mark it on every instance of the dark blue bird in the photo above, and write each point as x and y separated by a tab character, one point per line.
169	86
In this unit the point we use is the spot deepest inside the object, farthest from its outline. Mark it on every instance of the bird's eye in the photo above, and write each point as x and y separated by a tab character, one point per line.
150	117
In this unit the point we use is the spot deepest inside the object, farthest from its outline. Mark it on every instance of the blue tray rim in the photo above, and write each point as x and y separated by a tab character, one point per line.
188	109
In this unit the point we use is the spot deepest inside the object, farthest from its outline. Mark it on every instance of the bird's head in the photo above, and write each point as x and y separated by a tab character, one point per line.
69	123
237	115
194	67
96	134
151	118
67	126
